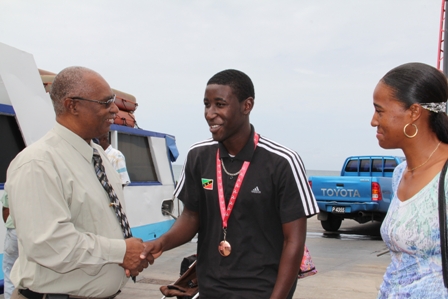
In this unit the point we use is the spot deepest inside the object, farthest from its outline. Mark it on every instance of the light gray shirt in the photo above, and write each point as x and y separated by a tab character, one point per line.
69	237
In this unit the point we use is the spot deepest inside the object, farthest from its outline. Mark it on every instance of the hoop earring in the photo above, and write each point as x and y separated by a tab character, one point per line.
410	136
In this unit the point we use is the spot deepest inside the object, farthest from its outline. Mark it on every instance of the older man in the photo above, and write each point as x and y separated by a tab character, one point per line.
66	200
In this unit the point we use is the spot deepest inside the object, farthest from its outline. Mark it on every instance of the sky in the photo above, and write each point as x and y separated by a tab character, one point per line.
314	63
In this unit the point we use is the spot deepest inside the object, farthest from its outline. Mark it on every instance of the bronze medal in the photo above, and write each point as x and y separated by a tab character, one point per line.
224	248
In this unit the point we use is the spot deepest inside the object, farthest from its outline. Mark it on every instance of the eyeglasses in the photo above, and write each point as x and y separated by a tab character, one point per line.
105	103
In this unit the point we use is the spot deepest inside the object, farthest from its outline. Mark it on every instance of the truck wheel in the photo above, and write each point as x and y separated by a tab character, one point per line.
332	224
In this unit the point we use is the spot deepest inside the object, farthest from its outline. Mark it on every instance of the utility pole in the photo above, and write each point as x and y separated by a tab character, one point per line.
445	45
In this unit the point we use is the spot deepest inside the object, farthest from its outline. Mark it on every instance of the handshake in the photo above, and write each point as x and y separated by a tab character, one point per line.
139	254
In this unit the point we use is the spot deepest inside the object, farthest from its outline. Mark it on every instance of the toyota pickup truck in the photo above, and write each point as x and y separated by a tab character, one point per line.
362	192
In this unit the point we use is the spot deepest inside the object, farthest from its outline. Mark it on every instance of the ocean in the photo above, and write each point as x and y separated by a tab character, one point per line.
177	168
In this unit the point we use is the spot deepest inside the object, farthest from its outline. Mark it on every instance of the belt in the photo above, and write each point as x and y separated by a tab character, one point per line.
33	295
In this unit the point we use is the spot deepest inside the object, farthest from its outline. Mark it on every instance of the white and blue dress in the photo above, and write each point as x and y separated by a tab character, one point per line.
411	231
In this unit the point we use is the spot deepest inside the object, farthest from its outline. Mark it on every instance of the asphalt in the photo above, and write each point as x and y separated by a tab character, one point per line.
347	262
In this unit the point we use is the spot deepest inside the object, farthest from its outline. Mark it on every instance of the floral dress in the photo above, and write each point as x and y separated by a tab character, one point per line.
411	231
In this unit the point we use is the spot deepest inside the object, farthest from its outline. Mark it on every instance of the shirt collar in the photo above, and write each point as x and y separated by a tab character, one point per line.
246	152
79	144
108	149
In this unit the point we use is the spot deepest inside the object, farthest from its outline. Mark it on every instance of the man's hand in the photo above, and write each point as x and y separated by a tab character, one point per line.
132	261
5	212
153	249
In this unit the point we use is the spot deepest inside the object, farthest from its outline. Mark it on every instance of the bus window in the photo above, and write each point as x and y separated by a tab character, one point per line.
12	143
139	160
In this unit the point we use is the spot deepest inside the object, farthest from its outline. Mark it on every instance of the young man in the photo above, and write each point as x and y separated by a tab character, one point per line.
116	158
11	248
247	197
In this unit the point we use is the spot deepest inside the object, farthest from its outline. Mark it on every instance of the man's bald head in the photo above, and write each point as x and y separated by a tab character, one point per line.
70	82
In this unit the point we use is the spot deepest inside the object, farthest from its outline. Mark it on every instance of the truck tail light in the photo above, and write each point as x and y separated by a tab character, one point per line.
376	192
310	183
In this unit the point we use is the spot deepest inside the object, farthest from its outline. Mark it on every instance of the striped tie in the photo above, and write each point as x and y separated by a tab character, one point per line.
101	174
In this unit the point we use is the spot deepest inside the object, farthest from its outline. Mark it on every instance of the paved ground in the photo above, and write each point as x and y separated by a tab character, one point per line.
347	263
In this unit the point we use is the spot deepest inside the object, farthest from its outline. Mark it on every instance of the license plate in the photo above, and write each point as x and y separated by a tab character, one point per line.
338	210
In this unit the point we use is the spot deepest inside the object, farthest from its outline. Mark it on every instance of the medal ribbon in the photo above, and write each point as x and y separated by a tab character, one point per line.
225	213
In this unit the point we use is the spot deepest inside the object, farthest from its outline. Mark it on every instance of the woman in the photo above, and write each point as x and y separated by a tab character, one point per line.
410	104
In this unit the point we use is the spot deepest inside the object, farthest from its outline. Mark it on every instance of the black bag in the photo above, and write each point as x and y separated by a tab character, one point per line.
442	224
186	287
186	263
